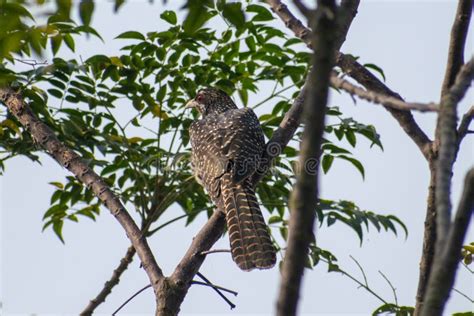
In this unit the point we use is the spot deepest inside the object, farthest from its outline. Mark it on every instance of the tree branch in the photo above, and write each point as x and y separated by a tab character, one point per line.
305	193
347	14
445	266
464	125
378	98
457	43
447	150
281	136
114	280
67	158
447	127
352	68
404	118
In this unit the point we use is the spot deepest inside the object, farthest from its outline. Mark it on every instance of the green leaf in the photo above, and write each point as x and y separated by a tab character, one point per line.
399	222
351	138
327	162
118	4
274	219
262	13
132	35
386	308
356	163
332	267
56	93
244	96
58	229
86	8
233	13
169	16
56	43
58	185
376	68
198	14
69	41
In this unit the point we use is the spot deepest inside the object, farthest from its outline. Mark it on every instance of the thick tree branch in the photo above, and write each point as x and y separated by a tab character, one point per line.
304	197
67	158
174	289
378	98
444	269
351	67
447	150
457	43
114	280
429	238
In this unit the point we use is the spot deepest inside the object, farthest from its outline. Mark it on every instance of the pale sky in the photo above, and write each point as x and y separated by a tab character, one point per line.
408	39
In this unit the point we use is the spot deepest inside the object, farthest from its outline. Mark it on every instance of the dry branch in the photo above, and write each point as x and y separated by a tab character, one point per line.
304	196
378	98
114	280
67	158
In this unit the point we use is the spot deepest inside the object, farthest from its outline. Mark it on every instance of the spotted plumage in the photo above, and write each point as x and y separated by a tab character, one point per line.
227	144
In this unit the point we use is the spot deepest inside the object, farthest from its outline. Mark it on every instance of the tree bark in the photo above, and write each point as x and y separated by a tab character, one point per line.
305	194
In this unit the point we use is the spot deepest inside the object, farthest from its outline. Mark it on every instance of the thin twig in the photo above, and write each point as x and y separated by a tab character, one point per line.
391	286
361	270
462	294
210	284
365	287
204	253
215	286
468	269
131	298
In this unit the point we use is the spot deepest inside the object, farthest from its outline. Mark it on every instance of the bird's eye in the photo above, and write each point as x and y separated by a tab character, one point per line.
199	98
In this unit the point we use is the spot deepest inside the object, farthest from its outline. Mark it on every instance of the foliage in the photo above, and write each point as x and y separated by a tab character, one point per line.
467	253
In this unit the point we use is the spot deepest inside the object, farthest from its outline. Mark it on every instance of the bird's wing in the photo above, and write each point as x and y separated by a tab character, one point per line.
232	141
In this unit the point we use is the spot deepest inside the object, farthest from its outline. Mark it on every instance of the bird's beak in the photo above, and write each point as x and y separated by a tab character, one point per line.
191	104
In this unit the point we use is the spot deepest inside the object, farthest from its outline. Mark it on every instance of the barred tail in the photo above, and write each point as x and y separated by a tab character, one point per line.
250	241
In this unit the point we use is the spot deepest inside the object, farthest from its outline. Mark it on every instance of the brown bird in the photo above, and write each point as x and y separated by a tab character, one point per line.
227	145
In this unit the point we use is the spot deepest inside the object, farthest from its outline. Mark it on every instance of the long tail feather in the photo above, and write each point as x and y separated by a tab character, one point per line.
250	242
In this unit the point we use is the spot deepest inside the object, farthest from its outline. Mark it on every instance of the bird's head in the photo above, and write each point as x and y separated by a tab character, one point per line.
211	101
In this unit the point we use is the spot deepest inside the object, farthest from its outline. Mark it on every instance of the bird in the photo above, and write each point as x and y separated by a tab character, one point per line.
227	144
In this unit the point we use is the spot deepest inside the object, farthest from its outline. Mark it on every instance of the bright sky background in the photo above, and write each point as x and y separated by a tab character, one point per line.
409	40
